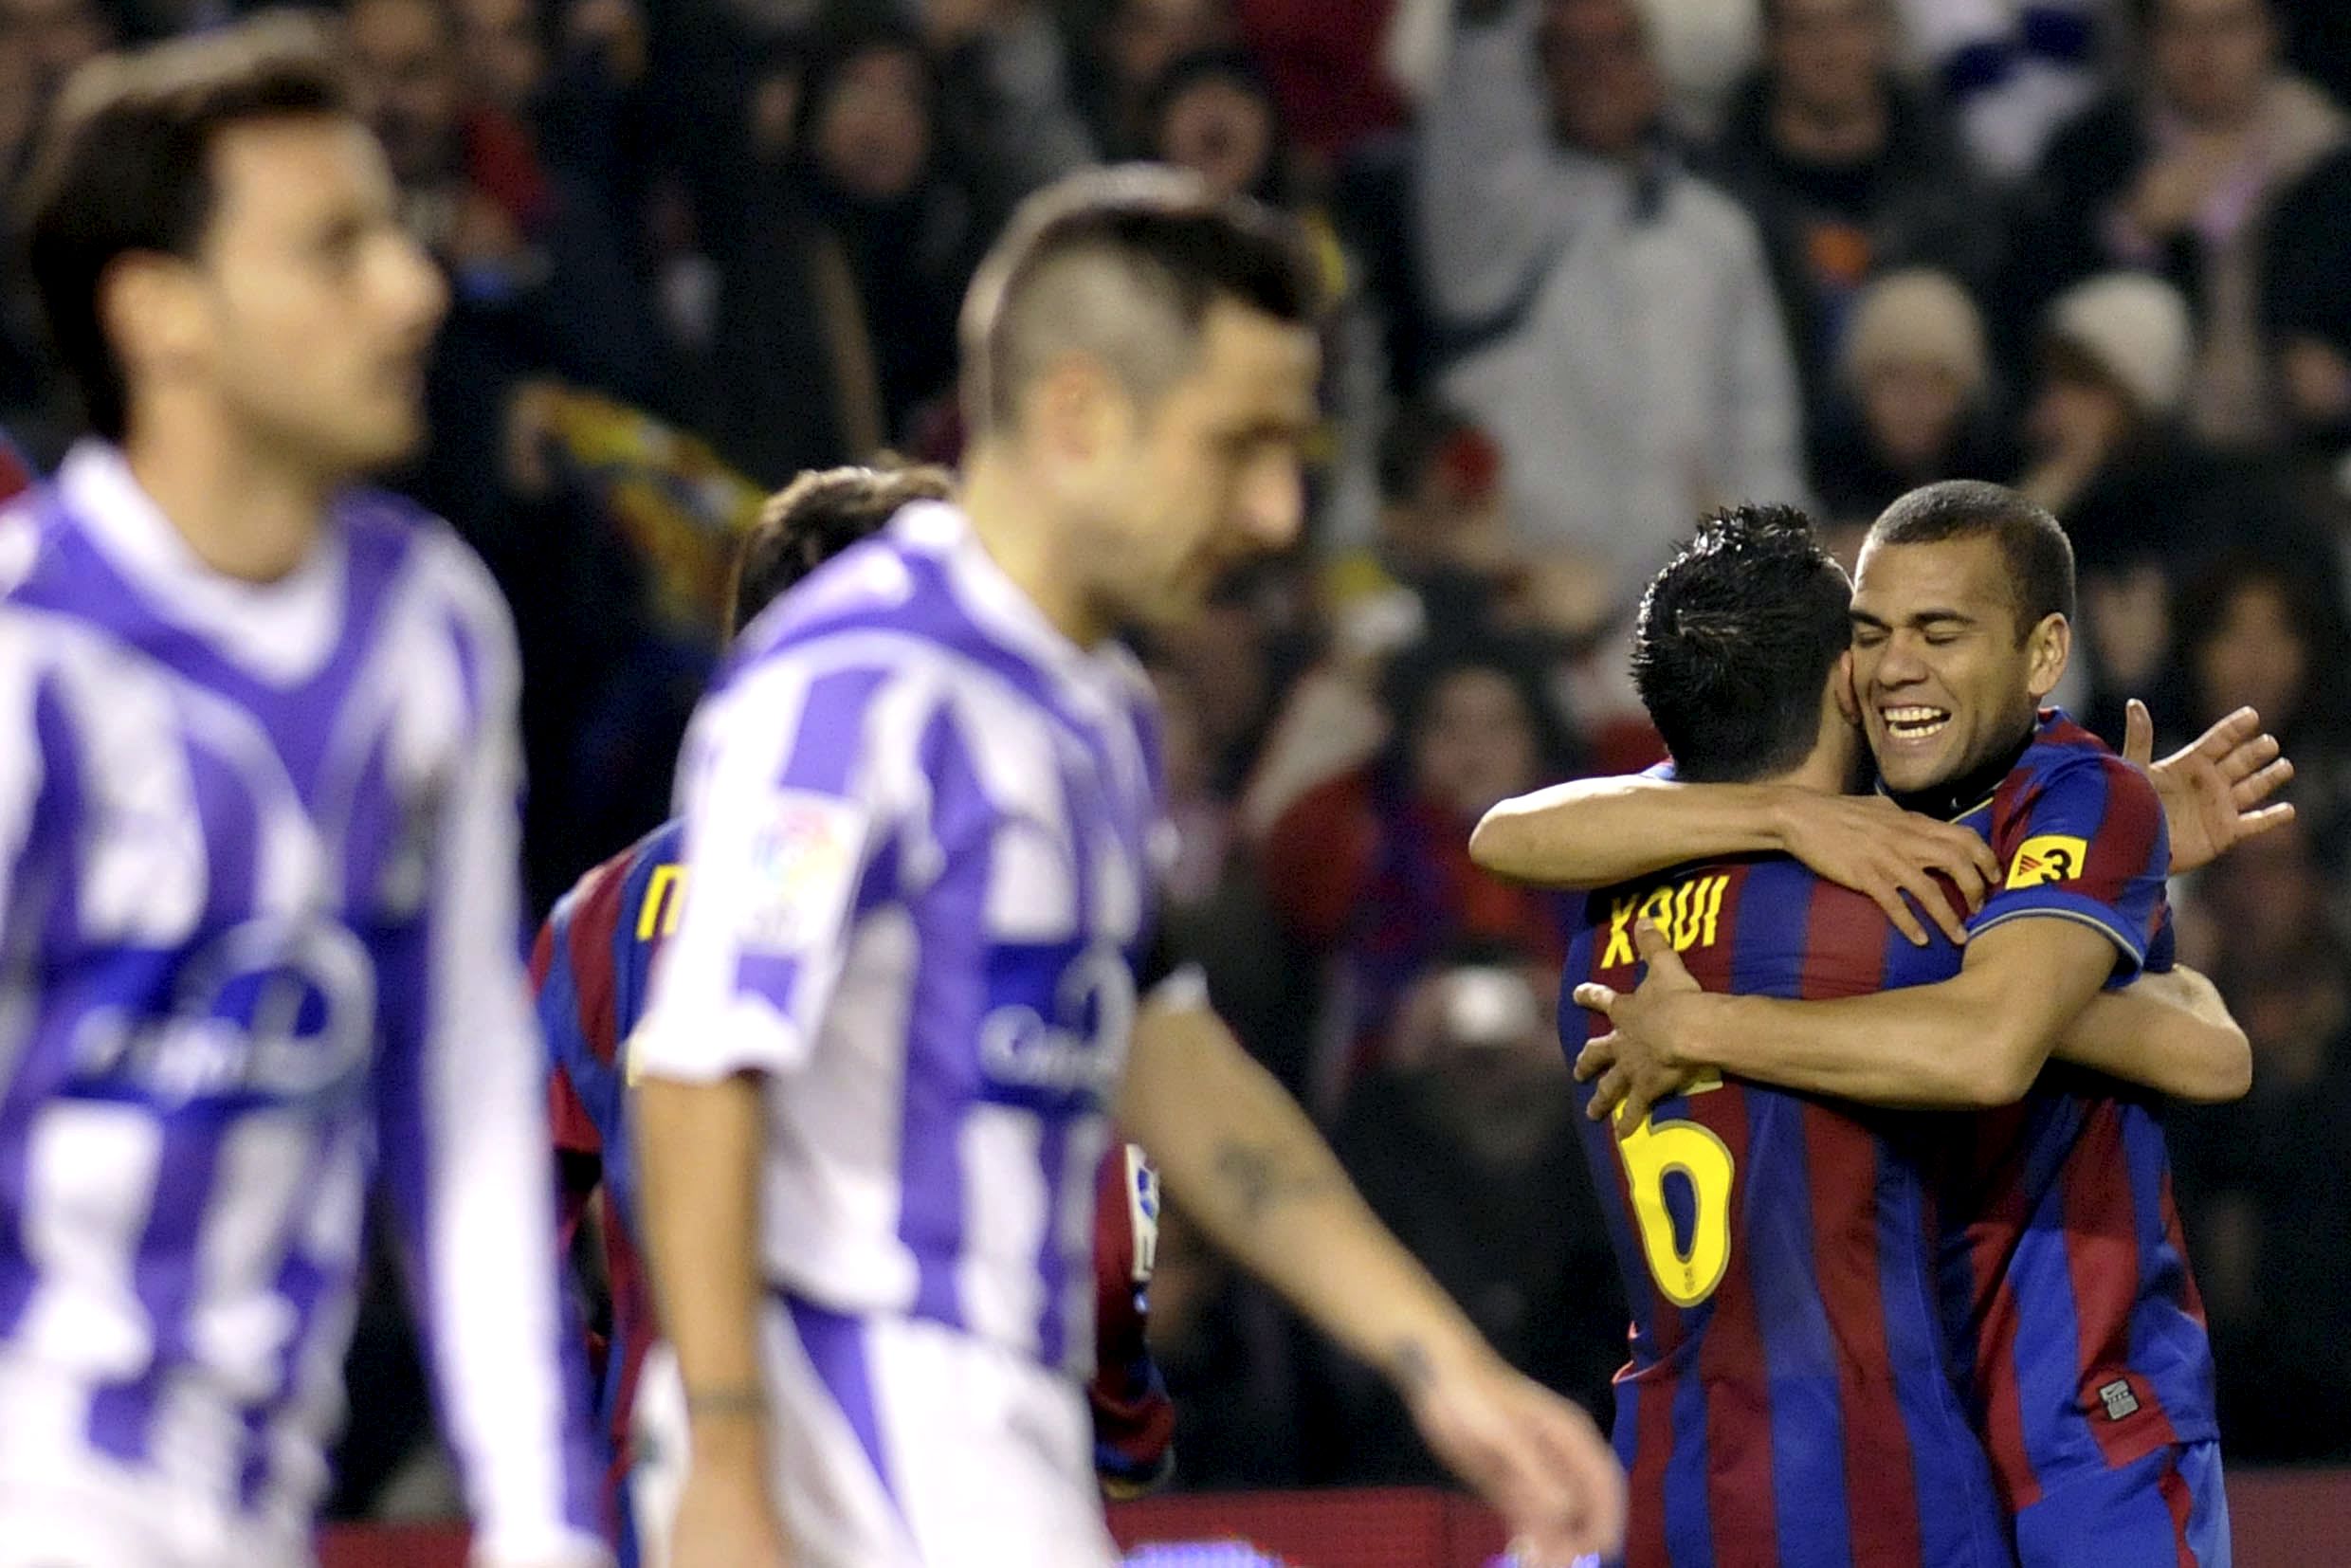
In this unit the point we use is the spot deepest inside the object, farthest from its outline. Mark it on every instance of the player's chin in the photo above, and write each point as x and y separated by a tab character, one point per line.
387	435
1906	765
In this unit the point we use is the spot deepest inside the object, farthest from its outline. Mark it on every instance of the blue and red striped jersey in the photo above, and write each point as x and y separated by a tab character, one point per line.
2066	1278
593	966
1791	1399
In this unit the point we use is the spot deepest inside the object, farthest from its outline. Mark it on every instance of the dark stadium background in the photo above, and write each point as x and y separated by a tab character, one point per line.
697	245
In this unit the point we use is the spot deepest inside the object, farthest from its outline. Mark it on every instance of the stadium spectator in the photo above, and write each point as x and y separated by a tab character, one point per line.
1371	869
538	283
1130	49
2262	629
1464	1143
1849	171
1007	103
1915	401
2147	508
2251	1174
2306	313
2177	174
1612	315
2016	70
2108	453
1441	534
1325	66
836	314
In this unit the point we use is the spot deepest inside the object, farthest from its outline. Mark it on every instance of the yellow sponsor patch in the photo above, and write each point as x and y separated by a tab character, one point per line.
2047	857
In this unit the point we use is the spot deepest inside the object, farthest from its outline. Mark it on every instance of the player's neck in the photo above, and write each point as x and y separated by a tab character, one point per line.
1955	797
1828	771
1021	538
245	512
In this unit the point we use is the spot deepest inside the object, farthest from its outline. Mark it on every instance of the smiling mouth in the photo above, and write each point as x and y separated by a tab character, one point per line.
1915	722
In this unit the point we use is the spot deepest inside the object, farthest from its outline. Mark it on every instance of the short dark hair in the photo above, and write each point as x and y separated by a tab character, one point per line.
2038	556
125	165
1735	641
813	519
1123	262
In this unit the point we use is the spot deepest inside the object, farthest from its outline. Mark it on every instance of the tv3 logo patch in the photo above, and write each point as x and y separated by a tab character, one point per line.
2118	1399
2047	858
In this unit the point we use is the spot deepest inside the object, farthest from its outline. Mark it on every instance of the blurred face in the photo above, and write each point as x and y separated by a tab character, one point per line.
1829	57
1604	88
1944	683
2212	57
2077	419
2255	655
874	134
1208	476
408	71
1221	131
1475	746
308	312
1913	409
505	60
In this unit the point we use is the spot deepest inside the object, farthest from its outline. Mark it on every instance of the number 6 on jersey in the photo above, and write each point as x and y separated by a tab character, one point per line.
1685	1276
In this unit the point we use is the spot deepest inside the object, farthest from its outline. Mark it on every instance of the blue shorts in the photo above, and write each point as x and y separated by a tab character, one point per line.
2168	1510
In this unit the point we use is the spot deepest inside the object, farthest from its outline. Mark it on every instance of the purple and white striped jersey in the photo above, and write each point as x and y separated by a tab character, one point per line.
260	946
917	822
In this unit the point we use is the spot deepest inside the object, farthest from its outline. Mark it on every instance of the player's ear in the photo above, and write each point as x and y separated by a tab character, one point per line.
2049	646
153	312
1078	411
1841	688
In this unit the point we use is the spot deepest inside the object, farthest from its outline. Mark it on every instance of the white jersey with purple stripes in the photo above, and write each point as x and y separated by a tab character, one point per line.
917	821
259	948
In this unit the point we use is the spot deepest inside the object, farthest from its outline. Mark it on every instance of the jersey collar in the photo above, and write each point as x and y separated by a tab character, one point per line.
281	631
1950	801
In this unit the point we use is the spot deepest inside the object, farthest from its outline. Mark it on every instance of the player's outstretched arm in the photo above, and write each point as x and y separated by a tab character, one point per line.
1596	831
697	1153
2170	1032
1977	1039
1247	1165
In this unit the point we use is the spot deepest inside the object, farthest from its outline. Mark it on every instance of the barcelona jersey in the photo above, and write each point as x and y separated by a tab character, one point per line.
1790	1398
2065	1278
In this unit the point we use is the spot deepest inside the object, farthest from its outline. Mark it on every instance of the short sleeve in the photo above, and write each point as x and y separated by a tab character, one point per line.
794	782
2084	841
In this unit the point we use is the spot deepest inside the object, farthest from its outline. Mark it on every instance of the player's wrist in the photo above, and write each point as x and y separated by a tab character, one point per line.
1690	1029
728	1425
1779	815
1430	1356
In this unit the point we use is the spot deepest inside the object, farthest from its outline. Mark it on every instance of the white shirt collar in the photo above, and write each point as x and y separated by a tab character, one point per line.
282	631
996	602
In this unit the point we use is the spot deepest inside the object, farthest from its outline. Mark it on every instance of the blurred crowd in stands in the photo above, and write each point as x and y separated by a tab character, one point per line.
1597	266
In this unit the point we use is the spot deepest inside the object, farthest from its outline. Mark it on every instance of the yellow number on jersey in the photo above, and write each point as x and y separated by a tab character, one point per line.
1649	1151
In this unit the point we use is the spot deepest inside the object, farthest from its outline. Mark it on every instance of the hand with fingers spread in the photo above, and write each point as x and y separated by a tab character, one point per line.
2213	791
1535	1458
1870	845
1640	1061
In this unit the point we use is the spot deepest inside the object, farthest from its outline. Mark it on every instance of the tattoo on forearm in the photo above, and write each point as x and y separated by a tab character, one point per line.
723	1404
1261	1177
1408	1367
